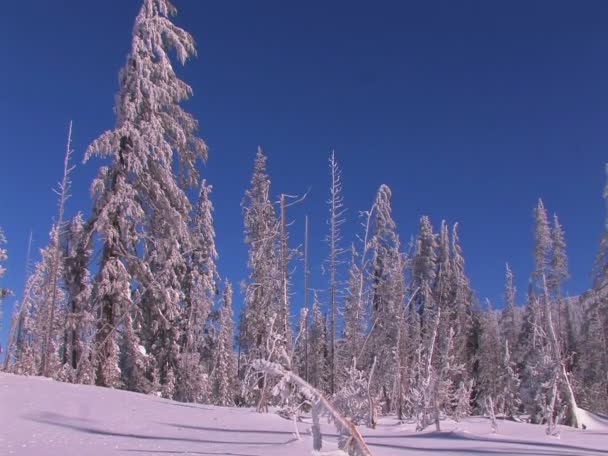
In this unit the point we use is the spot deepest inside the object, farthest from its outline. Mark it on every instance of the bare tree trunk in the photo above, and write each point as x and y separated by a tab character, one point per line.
11	337
64	187
555	347
308	311
370	400
285	303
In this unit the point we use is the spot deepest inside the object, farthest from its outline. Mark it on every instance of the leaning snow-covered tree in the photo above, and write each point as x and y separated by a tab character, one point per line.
141	212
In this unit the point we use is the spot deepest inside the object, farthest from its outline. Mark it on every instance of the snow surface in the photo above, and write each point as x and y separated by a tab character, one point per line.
41	417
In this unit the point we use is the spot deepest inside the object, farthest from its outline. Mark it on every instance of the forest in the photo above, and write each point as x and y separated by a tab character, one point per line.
130	297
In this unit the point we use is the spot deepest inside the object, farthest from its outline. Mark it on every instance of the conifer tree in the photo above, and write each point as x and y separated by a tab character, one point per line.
79	317
463	298
200	288
424	269
37	315
318	350
224	373
531	345
509	323
543	242
262	293
592	365
353	331
387	294
139	204
490	361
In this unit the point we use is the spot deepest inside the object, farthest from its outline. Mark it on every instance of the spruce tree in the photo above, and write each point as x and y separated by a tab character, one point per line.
79	315
262	293
387	295
318	351
140	209
509	322
224	372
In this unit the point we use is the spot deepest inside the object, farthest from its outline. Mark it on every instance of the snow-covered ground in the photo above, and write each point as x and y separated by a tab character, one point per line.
41	417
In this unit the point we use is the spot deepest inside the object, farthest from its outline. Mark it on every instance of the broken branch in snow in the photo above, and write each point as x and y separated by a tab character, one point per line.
350	440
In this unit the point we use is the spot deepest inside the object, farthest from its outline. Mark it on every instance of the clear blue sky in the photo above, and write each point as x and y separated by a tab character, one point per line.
468	110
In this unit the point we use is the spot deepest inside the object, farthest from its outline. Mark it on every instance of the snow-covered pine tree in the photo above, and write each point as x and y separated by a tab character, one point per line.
387	296
224	372
508	401
443	290
531	346
509	319
35	315
300	348
463	299
423	323
79	317
139	204
542	242
592	365
490	359
565	324
354	323
318	352
200	288
261	235
558	261
263	288
424	269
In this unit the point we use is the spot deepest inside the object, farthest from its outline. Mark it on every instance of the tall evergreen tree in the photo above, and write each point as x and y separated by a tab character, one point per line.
318	351
200	288
353	330
509	322
262	293
490	361
543	242
387	294
224	372
139	204
424	268
79	316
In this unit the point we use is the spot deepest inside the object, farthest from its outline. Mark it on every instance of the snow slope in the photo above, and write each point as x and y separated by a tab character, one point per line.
41	417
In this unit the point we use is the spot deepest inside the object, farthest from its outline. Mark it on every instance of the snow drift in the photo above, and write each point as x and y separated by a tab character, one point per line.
42	417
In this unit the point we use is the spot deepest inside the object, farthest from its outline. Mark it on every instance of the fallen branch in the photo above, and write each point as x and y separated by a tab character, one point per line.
350	440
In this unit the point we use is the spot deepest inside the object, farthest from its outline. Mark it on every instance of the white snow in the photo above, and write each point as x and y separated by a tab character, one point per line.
42	417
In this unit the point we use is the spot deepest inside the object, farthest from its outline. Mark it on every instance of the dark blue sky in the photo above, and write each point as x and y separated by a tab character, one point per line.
468	110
